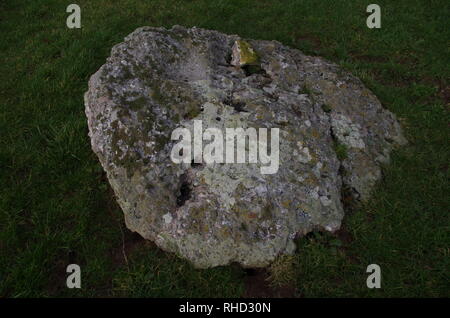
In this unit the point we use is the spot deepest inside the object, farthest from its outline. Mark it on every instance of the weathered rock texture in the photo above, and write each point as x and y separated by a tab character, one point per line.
334	134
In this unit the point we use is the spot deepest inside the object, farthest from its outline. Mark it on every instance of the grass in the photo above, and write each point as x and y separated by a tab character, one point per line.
56	207
341	150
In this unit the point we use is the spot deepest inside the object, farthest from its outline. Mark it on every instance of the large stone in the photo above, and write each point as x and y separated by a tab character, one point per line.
334	134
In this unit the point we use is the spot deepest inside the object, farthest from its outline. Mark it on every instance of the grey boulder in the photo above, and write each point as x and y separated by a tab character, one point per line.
333	136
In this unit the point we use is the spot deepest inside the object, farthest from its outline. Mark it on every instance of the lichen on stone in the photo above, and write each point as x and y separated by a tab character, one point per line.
243	54
334	136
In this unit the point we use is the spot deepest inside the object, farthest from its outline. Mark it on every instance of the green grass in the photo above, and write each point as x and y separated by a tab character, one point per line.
341	150
56	207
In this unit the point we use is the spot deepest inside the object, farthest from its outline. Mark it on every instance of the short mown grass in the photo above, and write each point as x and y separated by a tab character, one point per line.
56	207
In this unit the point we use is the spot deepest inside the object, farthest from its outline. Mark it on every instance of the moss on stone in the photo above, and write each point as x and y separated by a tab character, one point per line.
244	54
340	150
326	108
248	55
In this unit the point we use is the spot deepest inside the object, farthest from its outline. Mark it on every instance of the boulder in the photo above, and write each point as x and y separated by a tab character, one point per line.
333	136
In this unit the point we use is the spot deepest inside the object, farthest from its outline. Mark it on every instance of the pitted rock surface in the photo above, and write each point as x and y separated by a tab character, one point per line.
334	135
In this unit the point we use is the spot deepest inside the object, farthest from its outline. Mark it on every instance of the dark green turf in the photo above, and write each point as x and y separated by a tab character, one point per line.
56	208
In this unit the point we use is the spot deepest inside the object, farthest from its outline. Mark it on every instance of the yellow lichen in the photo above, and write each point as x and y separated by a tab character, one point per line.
246	54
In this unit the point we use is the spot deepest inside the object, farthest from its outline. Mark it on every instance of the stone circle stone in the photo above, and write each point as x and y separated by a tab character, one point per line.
334	135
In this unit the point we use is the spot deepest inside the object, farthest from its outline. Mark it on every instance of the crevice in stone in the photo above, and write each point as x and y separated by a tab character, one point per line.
239	107
184	193
346	197
348	193
326	108
253	69
195	164
228	58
